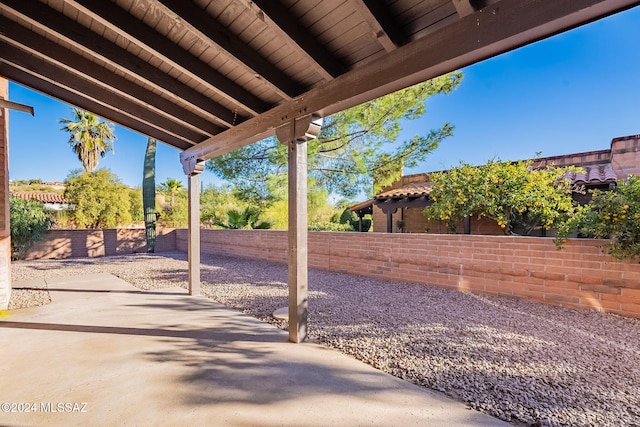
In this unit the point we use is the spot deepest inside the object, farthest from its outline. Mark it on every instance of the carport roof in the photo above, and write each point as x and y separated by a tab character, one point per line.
210	76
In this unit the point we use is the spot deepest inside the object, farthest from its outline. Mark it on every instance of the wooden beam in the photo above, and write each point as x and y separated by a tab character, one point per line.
16	106
463	7
388	32
295	135
280	19
50	88
501	27
392	204
100	95
32	43
85	40
208	28
130	28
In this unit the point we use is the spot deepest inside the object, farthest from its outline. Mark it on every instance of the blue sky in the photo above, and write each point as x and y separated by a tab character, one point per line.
573	92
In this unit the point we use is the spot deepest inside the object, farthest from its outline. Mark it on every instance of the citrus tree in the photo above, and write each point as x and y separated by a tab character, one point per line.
514	194
613	215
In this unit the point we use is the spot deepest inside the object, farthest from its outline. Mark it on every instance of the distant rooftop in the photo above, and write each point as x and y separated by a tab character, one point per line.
41	197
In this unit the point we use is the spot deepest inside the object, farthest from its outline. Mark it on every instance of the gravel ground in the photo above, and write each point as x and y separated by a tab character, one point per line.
526	363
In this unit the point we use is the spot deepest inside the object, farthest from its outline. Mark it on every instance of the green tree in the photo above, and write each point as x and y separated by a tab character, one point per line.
612	215
319	210
90	138
277	213
355	147
100	199
513	194
176	215
353	221
247	219
215	202
136	210
29	221
318	206
171	187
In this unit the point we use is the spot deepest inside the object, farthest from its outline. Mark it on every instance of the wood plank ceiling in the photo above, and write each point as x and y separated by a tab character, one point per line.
209	76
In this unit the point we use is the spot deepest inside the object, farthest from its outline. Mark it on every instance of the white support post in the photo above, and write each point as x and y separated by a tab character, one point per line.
295	135
193	167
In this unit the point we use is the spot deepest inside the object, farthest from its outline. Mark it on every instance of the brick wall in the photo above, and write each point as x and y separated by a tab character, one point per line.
579	276
270	245
625	156
101	242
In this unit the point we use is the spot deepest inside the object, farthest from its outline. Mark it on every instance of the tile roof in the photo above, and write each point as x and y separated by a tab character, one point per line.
595	174
361	205
42	197
414	189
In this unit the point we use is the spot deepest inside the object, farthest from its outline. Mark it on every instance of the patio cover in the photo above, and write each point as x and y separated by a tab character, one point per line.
210	76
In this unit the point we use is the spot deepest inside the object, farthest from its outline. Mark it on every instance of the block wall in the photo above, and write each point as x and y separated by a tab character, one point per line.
74	243
579	277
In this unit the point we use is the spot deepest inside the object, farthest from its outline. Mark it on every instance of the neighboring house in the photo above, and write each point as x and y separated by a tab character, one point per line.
52	201
399	207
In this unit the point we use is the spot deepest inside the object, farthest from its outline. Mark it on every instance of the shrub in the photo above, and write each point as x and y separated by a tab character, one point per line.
613	215
29	222
329	226
247	219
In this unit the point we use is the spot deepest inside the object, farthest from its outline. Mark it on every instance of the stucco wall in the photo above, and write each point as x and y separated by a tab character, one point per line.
416	222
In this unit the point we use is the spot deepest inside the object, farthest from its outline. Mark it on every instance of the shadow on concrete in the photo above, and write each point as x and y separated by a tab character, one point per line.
165	358
195	334
95	291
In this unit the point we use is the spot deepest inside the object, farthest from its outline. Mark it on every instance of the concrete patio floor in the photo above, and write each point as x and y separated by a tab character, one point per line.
116	355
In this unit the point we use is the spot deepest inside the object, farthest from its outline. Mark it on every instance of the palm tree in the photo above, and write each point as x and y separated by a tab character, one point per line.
172	187
249	219
89	137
